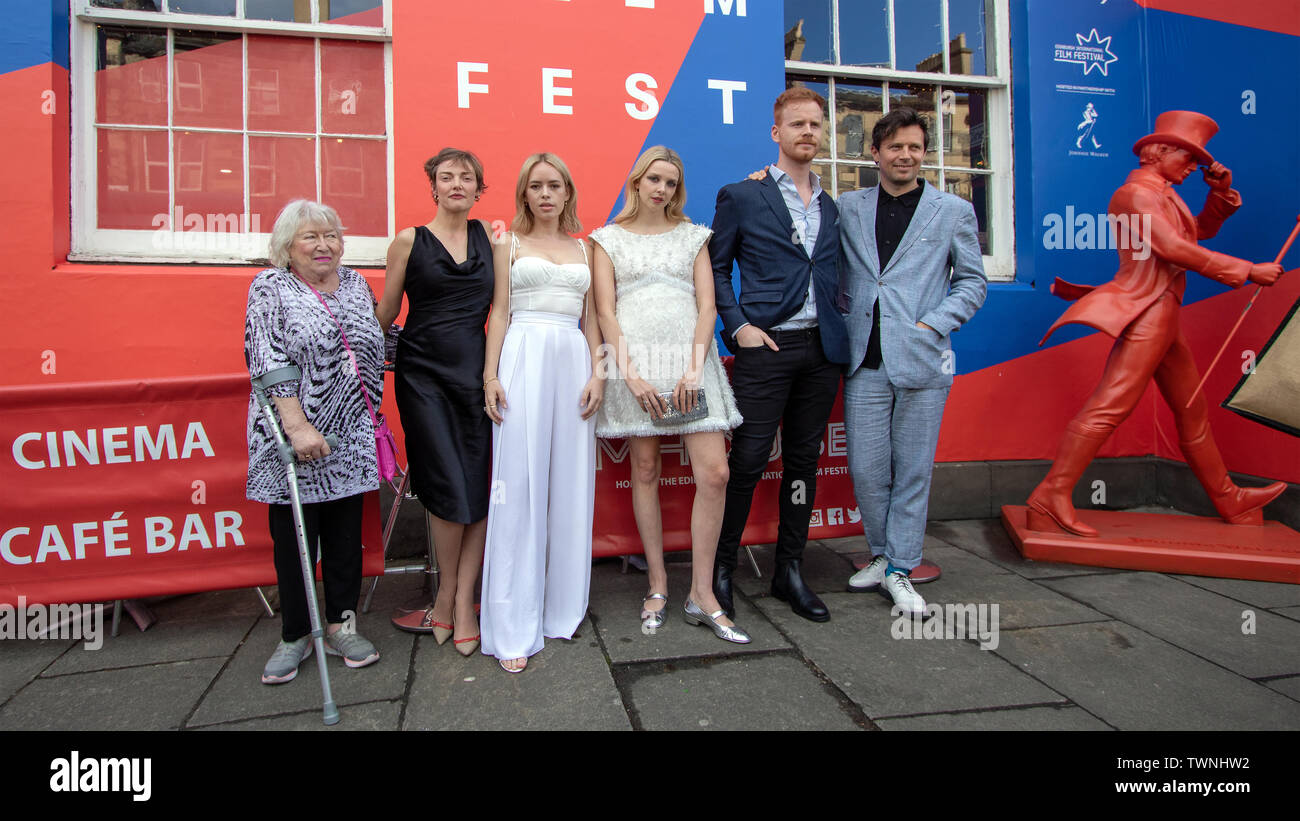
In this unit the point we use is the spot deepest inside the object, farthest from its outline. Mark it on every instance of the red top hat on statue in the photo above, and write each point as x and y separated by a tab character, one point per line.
1182	129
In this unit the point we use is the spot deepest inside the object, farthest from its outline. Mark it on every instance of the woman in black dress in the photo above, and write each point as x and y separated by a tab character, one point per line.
445	270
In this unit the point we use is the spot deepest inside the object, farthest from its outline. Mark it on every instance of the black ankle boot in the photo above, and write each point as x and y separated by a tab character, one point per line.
722	589
788	586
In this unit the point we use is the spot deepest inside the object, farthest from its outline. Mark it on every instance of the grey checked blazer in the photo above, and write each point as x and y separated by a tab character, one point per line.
936	276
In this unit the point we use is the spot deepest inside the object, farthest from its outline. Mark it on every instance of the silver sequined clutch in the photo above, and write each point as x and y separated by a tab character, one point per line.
675	416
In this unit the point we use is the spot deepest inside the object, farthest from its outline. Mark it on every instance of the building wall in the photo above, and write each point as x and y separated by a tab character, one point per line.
70	322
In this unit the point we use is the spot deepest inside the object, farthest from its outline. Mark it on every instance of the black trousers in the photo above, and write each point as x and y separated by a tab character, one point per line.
793	388
337	526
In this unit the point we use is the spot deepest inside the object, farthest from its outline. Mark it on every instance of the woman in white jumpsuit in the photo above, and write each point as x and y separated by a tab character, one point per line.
541	388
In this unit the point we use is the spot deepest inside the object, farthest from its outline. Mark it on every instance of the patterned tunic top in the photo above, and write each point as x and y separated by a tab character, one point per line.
287	325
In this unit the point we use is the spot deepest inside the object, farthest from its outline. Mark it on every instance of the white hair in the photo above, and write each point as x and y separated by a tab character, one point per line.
292	217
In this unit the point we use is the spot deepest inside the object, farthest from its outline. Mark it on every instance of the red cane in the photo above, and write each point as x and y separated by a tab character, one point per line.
1286	246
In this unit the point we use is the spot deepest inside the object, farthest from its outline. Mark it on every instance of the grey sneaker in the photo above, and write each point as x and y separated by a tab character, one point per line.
355	650
283	666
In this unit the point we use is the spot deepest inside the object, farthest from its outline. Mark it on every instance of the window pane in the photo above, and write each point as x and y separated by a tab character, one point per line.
133	5
974	188
808	30
281	84
864	33
352	12
283	10
860	176
967	37
279	169
208	72
918	35
209	176
857	108
964	135
824	90
132	179
354	180
352	87
823	172
131	81
220	8
920	98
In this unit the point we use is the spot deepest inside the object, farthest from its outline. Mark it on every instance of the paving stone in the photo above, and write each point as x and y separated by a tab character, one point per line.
887	676
1201	622
824	570
1286	686
140	698
845	544
567	686
1024	718
198	626
768	692
1021	603
1260	594
953	561
378	715
616	603
1292	613
988	539
21	661
240	693
1134	681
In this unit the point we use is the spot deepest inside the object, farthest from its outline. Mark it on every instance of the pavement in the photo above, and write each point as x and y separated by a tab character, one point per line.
1076	648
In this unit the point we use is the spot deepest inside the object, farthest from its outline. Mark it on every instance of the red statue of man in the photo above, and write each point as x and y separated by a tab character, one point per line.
1140	308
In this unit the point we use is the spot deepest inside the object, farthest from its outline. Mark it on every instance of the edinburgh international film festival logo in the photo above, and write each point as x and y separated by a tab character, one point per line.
1091	52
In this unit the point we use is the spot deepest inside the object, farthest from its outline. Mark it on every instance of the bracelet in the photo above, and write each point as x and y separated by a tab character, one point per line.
489	382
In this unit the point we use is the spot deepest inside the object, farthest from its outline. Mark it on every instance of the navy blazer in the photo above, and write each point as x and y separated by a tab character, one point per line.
752	227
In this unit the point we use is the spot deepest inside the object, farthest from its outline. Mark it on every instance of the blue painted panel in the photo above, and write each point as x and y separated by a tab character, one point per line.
34	33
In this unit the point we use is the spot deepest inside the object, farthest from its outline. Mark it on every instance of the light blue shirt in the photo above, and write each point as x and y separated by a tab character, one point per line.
807	221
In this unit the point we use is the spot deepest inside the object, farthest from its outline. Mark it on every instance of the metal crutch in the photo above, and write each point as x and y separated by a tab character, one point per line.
260	383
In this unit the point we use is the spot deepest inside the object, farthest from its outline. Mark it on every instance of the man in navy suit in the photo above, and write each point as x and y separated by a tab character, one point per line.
911	274
787	335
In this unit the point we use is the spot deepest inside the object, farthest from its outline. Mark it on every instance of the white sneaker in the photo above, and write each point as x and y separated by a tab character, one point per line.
898	587
869	577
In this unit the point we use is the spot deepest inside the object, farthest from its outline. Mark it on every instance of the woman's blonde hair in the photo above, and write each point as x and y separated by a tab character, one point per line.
523	221
632	203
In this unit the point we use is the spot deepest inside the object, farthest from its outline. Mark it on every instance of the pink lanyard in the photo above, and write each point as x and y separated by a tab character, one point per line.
365	394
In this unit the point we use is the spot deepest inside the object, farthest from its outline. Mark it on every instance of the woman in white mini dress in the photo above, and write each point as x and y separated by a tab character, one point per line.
541	388
654	297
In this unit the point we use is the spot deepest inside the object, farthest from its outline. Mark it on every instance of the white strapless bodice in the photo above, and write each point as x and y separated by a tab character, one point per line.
537	284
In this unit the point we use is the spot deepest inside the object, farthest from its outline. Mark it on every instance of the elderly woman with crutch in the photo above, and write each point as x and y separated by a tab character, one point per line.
312	342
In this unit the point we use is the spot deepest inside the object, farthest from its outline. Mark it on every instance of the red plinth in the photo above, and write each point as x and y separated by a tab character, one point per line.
1168	543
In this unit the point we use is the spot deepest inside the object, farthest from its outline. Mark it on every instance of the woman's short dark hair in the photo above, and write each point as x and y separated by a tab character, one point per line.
459	156
898	118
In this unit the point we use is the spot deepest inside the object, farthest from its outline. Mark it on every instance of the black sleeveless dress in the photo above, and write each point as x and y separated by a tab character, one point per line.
439	376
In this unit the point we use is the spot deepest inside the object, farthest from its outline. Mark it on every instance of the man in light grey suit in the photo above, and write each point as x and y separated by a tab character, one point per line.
910	274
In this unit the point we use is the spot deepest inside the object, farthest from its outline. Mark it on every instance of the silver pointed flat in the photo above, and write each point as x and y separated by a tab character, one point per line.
733	634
